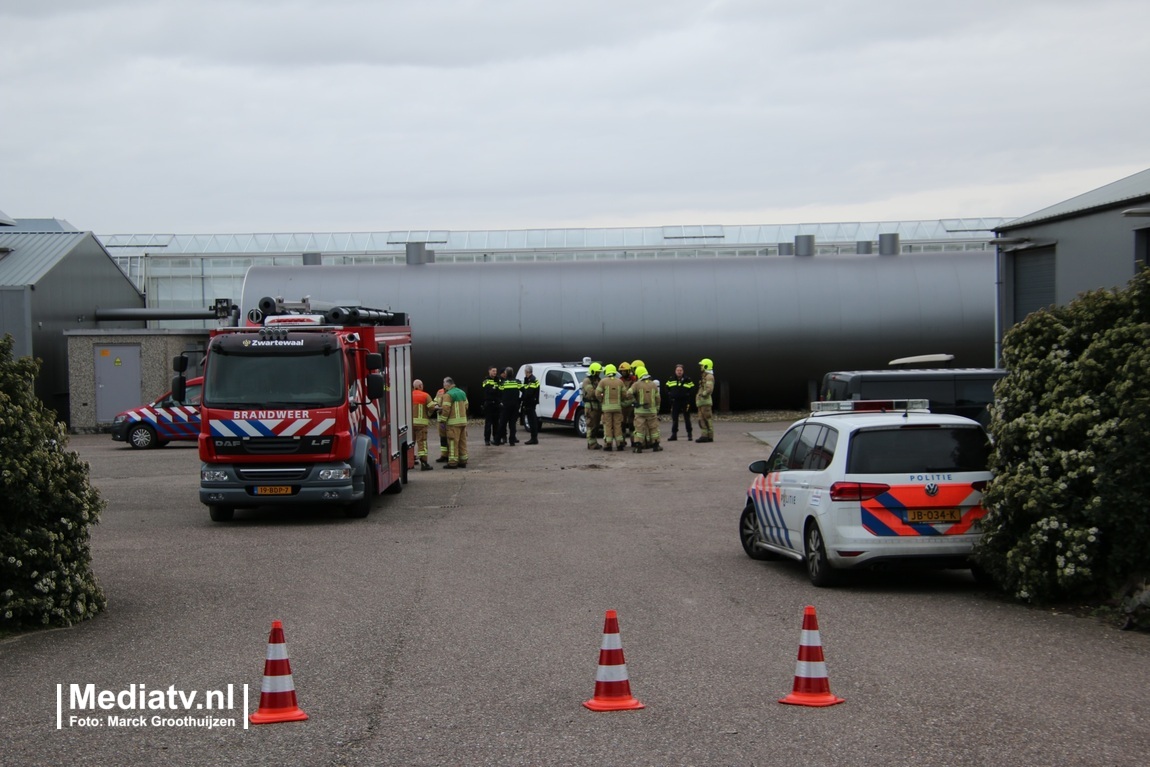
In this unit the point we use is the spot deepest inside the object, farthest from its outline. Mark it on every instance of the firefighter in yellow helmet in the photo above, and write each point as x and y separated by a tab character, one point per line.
611	392
645	394
592	408
703	400
627	376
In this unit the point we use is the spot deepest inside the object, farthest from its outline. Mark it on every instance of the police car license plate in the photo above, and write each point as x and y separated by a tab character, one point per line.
931	516
273	490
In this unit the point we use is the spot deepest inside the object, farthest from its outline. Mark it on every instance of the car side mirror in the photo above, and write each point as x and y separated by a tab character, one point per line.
758	467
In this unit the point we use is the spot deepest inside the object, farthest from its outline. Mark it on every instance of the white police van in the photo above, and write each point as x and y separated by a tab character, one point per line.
560	392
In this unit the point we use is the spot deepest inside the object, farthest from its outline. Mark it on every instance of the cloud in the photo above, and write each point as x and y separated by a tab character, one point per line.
253	115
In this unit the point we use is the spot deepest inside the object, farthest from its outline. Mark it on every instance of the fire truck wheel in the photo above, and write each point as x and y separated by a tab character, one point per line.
361	508
221	513
141	436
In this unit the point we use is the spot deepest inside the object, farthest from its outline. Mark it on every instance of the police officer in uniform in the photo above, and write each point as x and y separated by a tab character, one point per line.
510	394
680	390
490	404
530	404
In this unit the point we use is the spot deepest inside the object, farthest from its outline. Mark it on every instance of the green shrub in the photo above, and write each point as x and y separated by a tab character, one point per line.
46	506
1069	505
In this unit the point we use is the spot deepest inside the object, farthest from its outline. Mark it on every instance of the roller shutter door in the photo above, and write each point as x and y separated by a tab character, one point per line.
1033	281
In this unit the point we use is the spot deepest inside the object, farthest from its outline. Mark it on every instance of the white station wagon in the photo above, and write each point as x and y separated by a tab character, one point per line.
869	484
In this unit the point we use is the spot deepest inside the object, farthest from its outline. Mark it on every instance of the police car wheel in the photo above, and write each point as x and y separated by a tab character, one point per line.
142	437
749	533
221	513
819	570
581	423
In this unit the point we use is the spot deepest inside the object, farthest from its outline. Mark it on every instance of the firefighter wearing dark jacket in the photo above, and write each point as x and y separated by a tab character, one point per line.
490	404
681	391
510	395
530	404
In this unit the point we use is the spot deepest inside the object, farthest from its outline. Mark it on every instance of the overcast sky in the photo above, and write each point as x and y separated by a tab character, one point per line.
137	116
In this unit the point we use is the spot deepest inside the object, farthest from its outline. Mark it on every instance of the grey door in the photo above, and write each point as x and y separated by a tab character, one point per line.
117	380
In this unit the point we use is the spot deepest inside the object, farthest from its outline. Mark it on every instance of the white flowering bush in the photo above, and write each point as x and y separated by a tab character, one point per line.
46	507
1069	505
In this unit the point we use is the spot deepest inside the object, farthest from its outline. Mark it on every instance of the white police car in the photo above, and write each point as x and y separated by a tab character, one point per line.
560	395
868	484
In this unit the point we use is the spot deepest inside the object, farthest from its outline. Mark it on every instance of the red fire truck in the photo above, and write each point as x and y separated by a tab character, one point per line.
307	404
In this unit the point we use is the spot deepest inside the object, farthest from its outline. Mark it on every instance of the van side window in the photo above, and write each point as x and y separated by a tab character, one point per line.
804	446
823	450
780	459
559	379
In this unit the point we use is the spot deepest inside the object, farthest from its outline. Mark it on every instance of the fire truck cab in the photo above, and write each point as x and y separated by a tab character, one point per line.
308	404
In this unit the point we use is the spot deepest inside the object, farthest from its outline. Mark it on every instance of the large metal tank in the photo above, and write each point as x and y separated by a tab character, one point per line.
772	325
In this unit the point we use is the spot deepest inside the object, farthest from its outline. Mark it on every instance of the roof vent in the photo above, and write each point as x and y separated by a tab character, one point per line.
888	244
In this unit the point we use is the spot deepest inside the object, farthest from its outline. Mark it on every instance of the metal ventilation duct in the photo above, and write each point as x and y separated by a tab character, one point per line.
772	325
888	244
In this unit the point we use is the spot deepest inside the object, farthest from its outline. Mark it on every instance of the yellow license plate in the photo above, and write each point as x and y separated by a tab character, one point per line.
931	516
273	490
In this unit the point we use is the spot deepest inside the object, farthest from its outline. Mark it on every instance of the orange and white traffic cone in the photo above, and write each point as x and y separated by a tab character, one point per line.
277	693
812	687
612	687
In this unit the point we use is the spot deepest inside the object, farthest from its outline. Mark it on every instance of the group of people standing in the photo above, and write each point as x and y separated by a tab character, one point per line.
449	409
505	397
626	400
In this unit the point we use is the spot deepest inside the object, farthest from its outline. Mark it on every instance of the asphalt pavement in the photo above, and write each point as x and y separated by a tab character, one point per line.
461	624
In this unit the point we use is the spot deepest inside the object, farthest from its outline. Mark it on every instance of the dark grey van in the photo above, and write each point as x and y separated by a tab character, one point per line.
960	391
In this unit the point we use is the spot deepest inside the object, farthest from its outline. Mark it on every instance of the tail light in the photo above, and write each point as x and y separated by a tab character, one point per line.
857	491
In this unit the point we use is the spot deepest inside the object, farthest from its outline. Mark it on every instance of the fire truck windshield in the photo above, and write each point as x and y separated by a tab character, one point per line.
274	380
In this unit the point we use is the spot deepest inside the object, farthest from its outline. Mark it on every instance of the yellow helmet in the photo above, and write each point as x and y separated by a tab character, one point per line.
594	368
706	363
640	371
638	364
610	370
624	366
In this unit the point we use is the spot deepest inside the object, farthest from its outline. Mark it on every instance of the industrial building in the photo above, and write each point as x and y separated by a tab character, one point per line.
802	298
1099	239
662	294
53	277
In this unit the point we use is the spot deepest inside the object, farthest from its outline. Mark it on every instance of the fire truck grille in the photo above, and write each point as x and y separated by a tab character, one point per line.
271	445
289	474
